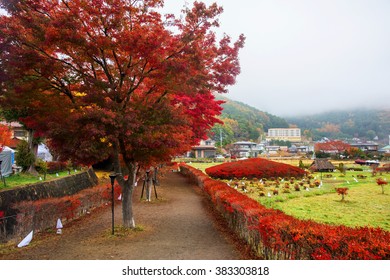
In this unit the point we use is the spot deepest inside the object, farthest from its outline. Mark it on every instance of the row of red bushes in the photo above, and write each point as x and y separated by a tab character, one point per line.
56	166
384	168
43	214
275	235
254	168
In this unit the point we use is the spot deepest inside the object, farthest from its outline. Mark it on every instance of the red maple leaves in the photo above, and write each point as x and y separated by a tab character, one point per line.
5	136
254	168
276	235
113	78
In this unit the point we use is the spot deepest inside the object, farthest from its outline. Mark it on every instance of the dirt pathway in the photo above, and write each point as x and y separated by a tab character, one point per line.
180	225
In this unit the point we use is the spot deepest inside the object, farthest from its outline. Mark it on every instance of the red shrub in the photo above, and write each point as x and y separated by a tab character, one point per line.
254	168
275	235
380	182
342	192
384	168
43	214
56	166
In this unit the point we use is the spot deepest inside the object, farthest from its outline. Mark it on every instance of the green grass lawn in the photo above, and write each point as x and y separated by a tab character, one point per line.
203	165
364	205
21	179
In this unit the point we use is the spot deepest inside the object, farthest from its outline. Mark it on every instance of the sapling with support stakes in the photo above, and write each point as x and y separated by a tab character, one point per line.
149	180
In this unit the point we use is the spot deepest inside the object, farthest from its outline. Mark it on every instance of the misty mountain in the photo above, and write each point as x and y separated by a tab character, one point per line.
365	124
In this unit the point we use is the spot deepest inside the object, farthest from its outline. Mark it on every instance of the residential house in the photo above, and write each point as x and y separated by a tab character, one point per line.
19	133
18	130
385	149
366	147
205	149
246	149
299	149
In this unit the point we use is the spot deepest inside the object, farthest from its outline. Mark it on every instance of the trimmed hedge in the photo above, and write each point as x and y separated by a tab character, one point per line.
274	235
254	168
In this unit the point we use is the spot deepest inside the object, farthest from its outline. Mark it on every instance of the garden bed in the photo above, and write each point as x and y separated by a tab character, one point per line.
275	235
254	168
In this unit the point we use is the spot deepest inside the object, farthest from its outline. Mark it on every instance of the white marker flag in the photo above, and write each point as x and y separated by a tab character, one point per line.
26	240
59	224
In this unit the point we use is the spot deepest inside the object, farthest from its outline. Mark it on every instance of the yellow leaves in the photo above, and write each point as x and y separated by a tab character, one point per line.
79	94
104	140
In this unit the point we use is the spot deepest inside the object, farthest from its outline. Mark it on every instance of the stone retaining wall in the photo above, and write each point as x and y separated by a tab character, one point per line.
56	188
20	206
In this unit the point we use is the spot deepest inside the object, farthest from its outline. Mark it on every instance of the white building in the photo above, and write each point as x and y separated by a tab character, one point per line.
285	134
246	149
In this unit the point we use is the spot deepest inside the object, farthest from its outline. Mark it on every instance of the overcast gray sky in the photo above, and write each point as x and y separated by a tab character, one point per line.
305	56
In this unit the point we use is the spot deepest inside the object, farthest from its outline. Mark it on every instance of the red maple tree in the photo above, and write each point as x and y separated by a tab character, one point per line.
381	182
342	191
113	78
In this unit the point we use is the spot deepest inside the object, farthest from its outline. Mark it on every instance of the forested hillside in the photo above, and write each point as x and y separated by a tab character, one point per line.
243	122
363	124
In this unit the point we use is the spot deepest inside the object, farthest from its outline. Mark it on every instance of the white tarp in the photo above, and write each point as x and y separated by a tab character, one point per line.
44	153
7	158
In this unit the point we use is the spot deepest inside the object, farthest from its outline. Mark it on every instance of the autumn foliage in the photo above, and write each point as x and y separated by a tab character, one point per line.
43	214
116	78
254	168
332	146
5	136
381	183
275	235
343	192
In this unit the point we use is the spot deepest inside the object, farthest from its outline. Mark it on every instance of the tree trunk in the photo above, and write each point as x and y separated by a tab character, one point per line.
34	149
127	186
127	206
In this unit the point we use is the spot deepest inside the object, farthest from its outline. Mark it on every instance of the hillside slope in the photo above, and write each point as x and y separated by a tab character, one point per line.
363	123
243	122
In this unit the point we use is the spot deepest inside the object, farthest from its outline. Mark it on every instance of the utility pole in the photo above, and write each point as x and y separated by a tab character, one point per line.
220	137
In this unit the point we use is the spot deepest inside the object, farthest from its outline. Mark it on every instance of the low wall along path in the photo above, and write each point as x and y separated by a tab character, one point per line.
12	199
179	225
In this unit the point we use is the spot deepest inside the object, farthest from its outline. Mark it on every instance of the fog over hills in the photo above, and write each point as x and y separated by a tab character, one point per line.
244	122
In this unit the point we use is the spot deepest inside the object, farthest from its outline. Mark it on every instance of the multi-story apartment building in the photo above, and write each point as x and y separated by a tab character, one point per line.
286	134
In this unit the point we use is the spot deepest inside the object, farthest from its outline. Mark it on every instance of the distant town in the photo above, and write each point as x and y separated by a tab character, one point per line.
294	146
